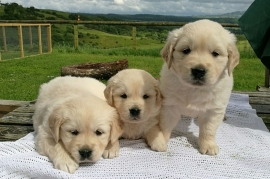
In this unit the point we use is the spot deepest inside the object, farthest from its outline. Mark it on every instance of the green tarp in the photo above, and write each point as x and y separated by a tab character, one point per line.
255	24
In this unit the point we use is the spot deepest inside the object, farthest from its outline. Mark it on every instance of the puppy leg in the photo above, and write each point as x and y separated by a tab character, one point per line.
155	139
112	150
169	117
208	125
56	153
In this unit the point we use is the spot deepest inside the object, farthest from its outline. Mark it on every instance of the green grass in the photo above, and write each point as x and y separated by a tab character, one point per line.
20	79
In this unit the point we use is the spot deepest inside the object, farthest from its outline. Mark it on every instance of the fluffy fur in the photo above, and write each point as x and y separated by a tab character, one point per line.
136	96
74	123
196	78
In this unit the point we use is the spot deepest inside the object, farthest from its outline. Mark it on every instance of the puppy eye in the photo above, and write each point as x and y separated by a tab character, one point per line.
98	132
75	132
145	96
215	54
124	96
186	51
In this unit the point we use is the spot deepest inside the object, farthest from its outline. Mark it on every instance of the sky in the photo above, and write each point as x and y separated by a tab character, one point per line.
169	7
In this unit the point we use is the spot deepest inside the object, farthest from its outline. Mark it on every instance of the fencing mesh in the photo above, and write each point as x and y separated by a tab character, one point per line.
10	41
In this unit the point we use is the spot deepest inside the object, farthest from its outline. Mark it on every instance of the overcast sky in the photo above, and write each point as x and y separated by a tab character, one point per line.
169	7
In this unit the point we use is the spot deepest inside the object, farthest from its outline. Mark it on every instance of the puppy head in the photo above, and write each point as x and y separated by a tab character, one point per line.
200	53
85	125
135	94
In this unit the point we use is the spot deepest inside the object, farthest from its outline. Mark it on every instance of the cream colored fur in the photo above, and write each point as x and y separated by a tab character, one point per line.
136	89
207	46
72	117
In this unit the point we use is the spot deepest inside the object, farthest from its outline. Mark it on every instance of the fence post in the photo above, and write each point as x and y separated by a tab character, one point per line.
76	40
134	37
20	40
39	39
49	38
30	39
4	38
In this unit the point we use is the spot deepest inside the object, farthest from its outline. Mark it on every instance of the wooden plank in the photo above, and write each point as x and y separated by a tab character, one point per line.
263	109
76	39
22	24
254	93
20	40
20	116
13	132
4	38
49	38
10	105
263	88
17	118
259	100
39	40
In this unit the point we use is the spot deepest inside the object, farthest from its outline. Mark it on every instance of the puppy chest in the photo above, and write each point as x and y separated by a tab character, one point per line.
132	131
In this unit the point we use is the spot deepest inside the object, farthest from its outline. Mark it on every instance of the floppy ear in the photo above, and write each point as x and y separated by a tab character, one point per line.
116	129
233	58
167	50
108	93
159	96
55	121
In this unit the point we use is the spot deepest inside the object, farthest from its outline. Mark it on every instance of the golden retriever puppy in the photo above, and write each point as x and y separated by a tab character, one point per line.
196	78
74	123
136	96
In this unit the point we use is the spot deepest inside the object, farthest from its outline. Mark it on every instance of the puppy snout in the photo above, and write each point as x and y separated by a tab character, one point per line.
85	153
134	112
198	73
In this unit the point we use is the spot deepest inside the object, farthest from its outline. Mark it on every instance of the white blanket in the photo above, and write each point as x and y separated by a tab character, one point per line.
243	139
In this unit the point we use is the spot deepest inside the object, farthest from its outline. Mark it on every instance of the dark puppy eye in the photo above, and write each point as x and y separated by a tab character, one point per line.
186	51
145	96
124	96
75	132
98	132
215	54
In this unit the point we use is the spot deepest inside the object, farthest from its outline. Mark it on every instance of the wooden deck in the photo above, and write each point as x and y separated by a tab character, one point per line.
18	122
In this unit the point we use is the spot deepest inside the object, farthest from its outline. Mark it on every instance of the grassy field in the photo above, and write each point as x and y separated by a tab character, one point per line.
20	78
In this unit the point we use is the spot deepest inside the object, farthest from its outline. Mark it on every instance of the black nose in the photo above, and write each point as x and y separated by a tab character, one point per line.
198	73
85	153
134	112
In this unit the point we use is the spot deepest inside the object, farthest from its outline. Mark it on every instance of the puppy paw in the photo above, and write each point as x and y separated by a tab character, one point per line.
66	164
111	151
158	144
209	148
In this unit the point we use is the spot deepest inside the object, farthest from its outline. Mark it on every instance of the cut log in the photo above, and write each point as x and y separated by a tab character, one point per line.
100	71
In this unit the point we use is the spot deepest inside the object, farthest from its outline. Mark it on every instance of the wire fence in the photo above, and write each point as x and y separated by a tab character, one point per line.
21	40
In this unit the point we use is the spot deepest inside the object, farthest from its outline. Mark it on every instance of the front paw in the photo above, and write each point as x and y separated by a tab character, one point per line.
158	144
111	151
209	148
66	164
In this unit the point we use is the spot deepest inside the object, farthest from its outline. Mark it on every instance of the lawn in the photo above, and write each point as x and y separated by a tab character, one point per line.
20	79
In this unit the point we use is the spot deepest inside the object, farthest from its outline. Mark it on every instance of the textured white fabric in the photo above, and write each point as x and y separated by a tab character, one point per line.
243	139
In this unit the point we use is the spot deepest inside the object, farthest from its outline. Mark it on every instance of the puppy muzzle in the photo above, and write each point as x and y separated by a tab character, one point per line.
85	154
198	75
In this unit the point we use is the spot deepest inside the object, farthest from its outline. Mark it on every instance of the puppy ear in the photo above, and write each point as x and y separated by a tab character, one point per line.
116	129
55	121
159	96
108	93
167	50
233	58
